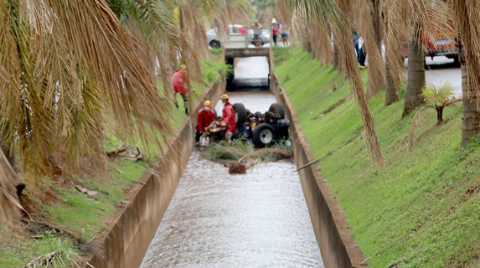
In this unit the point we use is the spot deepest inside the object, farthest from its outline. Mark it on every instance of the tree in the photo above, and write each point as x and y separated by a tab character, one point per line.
366	17
416	72
328	12
465	15
62	63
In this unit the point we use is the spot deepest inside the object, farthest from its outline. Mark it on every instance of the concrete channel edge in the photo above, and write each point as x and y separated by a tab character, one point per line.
126	240
337	245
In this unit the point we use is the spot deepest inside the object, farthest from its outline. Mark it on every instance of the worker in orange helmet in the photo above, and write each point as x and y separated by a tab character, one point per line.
206	116
228	117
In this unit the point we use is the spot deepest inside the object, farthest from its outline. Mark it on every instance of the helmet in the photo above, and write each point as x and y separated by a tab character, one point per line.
207	103
224	97
274	20
183	66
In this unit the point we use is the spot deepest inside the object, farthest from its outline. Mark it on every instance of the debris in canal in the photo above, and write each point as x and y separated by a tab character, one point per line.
236	168
241	156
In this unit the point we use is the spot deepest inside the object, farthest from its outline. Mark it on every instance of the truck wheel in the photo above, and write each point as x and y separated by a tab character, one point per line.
263	135
215	44
240	113
277	108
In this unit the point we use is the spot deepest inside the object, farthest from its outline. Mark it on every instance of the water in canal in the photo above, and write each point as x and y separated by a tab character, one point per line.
259	219
215	219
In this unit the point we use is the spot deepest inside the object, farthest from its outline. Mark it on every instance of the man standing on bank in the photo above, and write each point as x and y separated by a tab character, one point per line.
179	83
228	117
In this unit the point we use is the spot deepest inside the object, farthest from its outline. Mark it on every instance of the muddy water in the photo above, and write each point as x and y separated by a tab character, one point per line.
259	219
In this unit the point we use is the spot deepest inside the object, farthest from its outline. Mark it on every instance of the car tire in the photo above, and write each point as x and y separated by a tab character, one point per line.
277	109
254	41
215	44
240	113
264	134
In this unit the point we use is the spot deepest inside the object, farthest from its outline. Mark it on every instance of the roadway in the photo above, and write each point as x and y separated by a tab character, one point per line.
441	70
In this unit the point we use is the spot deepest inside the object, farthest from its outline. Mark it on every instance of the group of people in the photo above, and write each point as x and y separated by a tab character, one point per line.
277	29
206	115
284	33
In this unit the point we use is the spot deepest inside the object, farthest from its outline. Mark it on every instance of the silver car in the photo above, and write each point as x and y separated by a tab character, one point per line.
215	42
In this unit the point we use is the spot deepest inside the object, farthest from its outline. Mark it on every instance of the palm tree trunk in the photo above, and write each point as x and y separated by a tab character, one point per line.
375	69
391	95
8	180
416	73
336	55
307	46
466	12
471	116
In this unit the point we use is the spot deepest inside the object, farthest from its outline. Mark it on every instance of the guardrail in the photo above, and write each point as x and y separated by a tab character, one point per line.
236	40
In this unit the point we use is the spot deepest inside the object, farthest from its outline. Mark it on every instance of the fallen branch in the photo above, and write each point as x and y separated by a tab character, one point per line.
85	190
59	229
331	108
309	164
53	259
132	153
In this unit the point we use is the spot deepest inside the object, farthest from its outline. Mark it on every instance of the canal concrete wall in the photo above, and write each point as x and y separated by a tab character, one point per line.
127	239
333	235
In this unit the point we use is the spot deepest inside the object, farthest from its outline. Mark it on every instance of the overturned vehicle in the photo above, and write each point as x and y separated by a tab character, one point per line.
262	129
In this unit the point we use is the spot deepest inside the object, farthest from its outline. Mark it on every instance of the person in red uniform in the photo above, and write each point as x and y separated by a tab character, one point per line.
179	83
228	117
205	117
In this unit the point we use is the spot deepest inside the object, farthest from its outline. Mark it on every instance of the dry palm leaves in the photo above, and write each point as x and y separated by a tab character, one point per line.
53	259
335	14
63	63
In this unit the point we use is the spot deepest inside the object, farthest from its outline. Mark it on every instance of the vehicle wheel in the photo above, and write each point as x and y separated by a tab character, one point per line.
258	41
215	44
240	113
263	135
277	108
456	60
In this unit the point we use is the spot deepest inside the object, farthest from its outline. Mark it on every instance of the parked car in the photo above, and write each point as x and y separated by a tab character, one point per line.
233	29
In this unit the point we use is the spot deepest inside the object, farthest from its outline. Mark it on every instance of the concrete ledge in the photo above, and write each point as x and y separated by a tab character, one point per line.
333	235
127	239
247	52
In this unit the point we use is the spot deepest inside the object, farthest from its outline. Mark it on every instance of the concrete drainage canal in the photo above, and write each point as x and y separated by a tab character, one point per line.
217	219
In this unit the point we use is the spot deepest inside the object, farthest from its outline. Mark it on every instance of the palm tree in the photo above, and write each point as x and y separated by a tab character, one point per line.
328	12
416	72
415	19
366	17
466	12
61	64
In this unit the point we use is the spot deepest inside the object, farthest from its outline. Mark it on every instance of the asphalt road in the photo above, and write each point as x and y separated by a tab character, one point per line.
441	70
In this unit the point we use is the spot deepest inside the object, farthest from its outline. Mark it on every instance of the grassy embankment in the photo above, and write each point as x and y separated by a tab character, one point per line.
423	208
85	215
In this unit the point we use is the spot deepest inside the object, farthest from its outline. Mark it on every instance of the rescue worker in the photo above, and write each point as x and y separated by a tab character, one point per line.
206	116
228	117
179	83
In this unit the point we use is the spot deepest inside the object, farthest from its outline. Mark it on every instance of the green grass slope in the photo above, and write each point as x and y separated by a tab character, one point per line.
423	208
87	216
